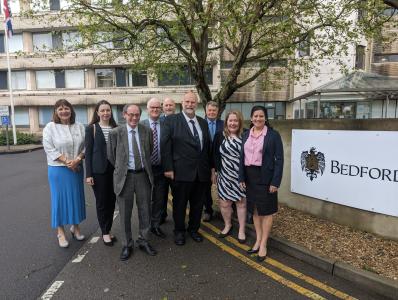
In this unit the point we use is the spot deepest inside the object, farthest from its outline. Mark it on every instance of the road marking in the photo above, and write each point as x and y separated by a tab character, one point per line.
94	239
52	290
80	257
299	289
286	269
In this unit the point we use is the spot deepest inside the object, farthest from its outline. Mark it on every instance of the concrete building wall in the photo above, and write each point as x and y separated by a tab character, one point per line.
383	225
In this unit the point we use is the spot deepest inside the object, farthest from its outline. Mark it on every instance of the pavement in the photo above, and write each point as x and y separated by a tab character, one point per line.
14	149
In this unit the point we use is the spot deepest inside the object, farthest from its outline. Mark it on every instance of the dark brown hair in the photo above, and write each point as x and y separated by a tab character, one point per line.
63	102
95	118
264	110
238	114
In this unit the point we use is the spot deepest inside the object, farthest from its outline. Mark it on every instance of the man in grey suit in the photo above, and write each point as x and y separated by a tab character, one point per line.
129	151
159	203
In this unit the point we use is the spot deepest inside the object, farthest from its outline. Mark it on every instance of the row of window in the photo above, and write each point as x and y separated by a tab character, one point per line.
105	78
276	110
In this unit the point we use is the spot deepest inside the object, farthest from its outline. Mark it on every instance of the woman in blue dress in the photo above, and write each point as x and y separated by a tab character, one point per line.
63	141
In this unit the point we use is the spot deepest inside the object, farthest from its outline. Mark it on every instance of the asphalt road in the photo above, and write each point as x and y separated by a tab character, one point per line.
29	254
32	265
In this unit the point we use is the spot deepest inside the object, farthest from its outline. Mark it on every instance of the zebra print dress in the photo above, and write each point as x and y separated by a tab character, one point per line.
227	179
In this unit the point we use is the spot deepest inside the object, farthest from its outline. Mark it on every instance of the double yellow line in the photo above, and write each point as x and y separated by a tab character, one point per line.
261	268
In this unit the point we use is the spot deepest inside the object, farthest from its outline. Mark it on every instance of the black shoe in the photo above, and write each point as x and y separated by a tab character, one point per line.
223	235
163	220
242	241
179	238
158	232
252	251
109	244
207	217
126	253
114	239
146	247
261	258
196	236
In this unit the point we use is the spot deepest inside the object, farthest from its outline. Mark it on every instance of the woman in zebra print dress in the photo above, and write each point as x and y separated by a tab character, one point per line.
226	150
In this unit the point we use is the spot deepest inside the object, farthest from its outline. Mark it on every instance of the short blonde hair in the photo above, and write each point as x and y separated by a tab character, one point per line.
238	114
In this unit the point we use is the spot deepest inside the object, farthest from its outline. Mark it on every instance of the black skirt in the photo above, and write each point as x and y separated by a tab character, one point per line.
258	195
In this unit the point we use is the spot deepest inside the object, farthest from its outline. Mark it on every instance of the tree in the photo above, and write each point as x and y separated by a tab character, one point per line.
251	34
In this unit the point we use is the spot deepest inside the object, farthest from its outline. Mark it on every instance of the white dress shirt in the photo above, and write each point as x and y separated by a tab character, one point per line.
61	139
131	153
197	128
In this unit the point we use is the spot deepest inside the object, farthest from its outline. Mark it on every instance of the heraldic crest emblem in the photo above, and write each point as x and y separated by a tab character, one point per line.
312	163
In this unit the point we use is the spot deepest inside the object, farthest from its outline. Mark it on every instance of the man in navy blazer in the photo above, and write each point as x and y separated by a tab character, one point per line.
186	149
215	125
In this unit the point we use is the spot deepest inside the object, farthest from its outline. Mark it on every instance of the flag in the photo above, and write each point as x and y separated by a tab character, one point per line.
7	18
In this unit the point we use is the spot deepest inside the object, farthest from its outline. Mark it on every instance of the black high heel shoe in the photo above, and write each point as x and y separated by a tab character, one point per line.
252	251
261	258
223	235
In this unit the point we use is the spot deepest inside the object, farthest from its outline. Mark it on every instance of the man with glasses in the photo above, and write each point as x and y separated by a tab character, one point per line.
159	205
129	151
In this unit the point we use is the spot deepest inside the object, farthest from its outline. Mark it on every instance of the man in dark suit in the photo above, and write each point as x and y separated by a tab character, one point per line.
159	205
129	151
185	145
215	125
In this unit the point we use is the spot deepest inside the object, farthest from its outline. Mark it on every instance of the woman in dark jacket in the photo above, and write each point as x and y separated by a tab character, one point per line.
260	173
227	146
99	172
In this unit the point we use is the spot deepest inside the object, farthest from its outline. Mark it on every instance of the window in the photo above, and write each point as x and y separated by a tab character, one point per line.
121	79
104	77
3	80
74	79
45	115
21	116
380	58
81	114
360	57
42	41
138	78
104	40
182	76
40	5
18	79
304	48
15	44
50	79
71	40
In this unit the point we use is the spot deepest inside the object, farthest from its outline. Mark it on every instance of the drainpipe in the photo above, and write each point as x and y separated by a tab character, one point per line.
318	111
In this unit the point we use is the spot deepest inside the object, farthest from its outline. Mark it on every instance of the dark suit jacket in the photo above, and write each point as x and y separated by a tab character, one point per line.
272	166
96	153
180	152
118	153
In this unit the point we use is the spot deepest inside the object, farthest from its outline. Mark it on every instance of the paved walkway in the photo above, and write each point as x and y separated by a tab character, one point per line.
19	148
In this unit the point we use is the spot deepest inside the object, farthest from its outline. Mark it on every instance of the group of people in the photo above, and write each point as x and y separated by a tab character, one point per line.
143	159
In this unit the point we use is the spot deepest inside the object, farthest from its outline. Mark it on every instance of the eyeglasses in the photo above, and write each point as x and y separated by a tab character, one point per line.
154	107
133	115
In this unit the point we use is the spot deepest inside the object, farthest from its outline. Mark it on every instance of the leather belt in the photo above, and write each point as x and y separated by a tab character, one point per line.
136	171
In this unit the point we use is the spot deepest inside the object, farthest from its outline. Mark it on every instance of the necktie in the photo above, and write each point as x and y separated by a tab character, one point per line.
195	133
136	152
155	153
212	129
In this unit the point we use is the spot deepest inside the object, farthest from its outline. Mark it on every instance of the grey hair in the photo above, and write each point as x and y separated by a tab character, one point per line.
212	103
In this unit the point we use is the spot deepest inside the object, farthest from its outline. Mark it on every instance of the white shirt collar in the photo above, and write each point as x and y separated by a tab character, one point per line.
129	128
188	118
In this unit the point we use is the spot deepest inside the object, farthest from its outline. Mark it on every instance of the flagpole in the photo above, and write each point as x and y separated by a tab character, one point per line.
14	131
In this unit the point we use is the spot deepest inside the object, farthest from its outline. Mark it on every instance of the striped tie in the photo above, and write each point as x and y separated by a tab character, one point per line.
155	153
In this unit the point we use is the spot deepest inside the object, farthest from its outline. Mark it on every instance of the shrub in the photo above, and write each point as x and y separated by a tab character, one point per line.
22	138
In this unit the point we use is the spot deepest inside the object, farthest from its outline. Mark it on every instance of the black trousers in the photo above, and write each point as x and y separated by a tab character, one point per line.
159	204
182	193
208	200
105	199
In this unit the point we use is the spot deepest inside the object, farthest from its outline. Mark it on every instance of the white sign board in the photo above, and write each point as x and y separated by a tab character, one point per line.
4	111
353	168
